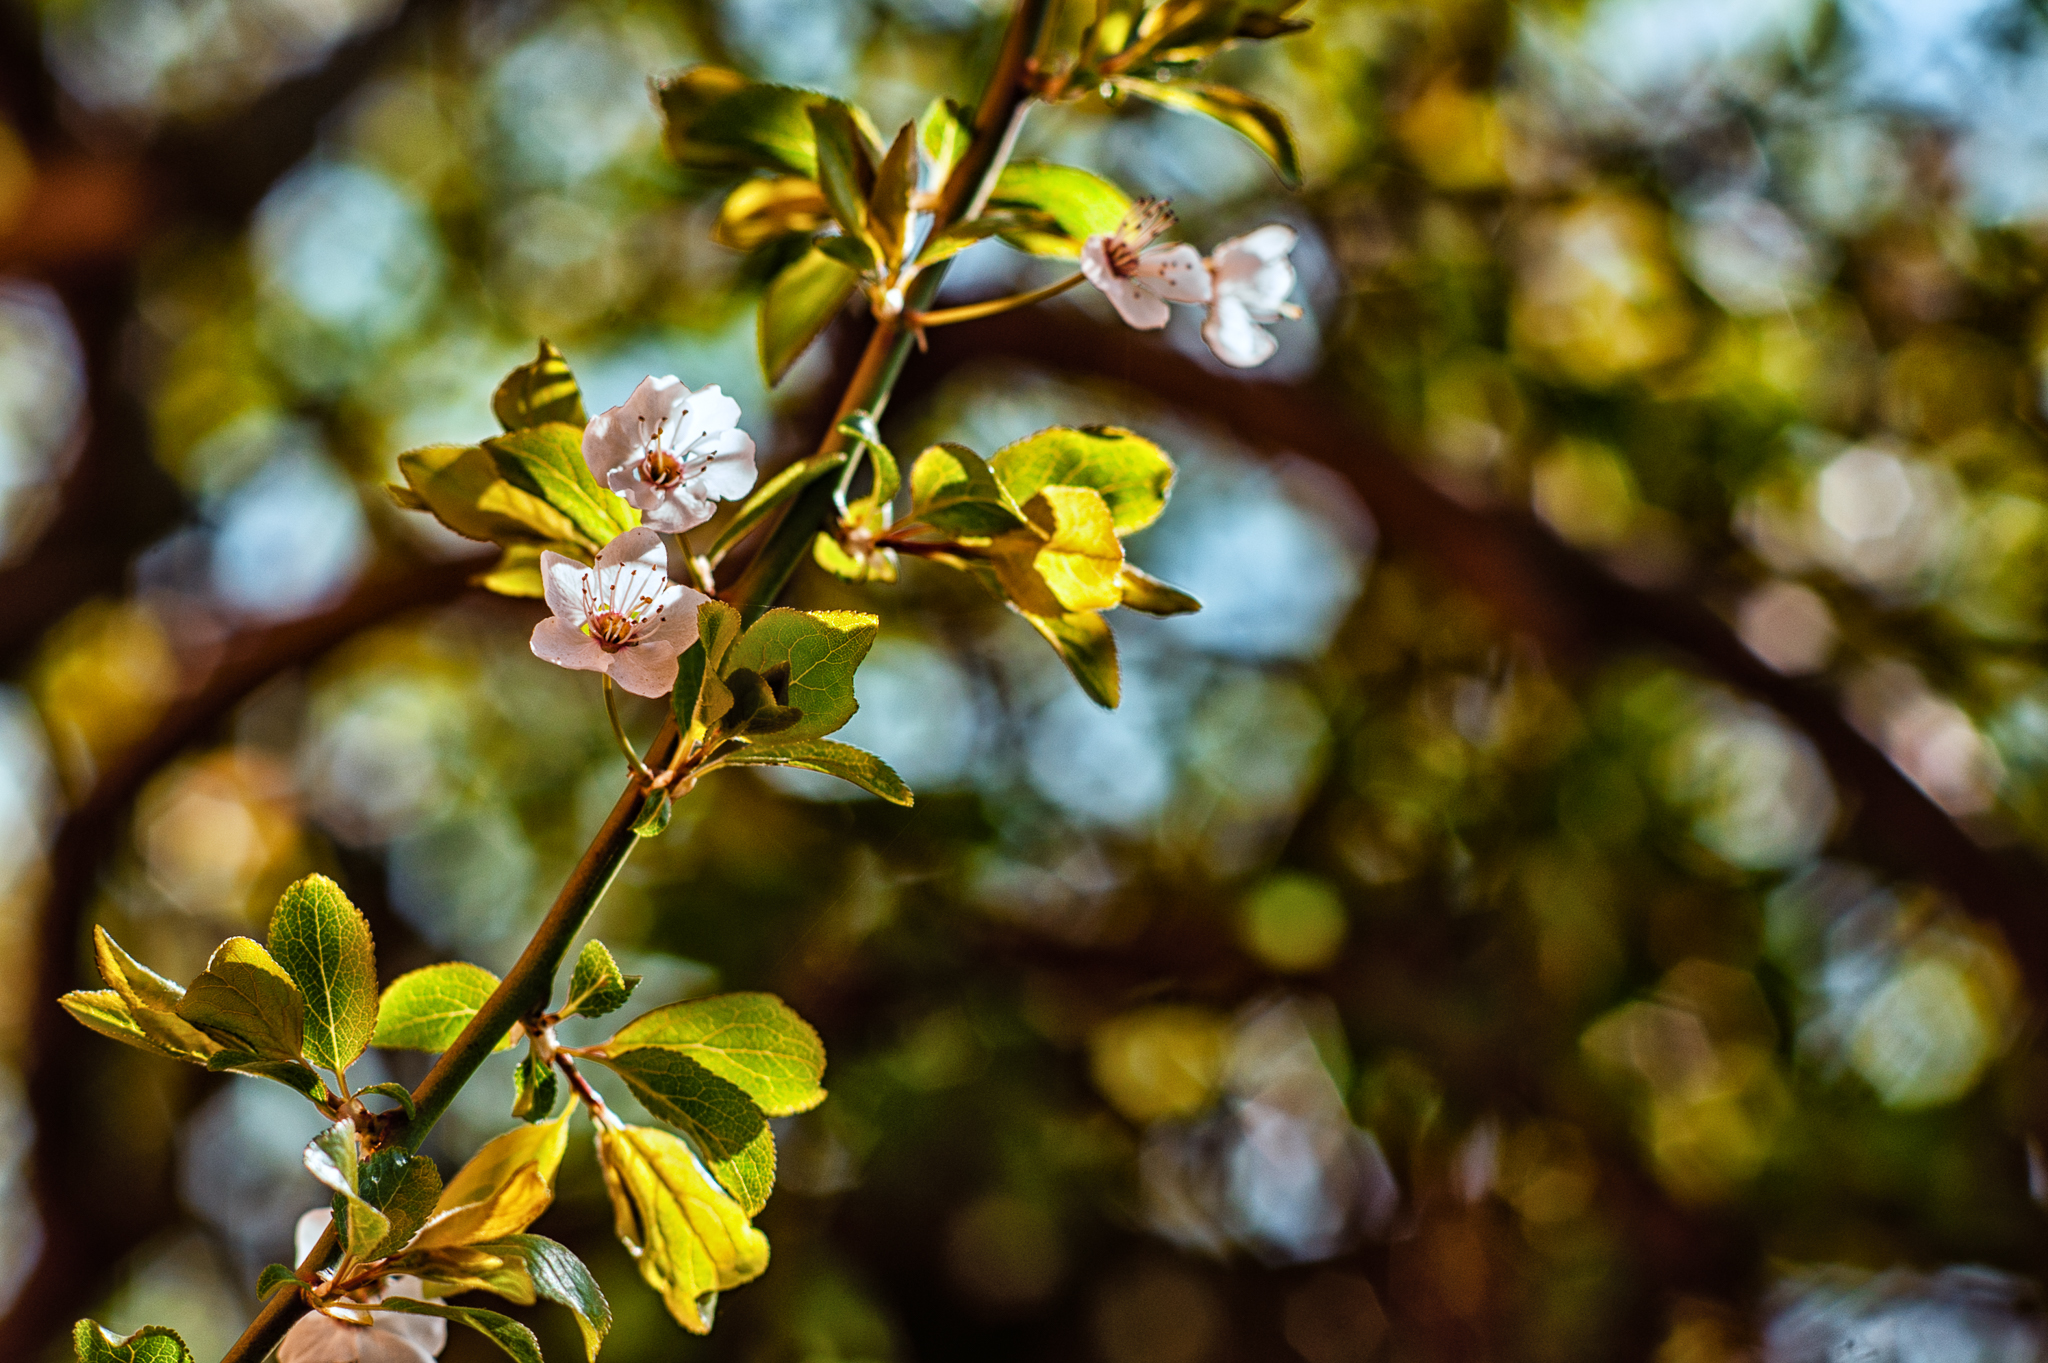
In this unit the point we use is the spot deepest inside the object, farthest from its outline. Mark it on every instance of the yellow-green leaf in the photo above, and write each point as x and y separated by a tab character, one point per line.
889	204
538	392
759	211
1144	592
754	1040
770	496
331	1158
842	760
502	1189
690	1238
426	1009
547	461
1132	474
726	1126
820	650
323	941
1082	560
953	488
464	488
406	1188
797	305
247	1002
1086	646
151	1002
846	165
508	1334
597	986
716	120
1078	204
92	1342
1257	121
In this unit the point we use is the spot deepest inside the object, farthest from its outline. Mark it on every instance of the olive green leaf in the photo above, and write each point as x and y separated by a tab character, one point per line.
331	1158
770	496
1079	205
405	1188
534	1089
275	1276
846	165
953	488
393	1090
558	1275
92	1342
149	1002
323	941
246	1001
796	307
819	650
539	392
944	131
759	211
107	1013
454	1269
690	1238
717	121
426	1009
655	815
548	461
1012	224
842	760
1144	592
708	701
889	203
1132	474
715	1113
1257	121
503	1331
597	986
502	1189
1086	646
754	1040
466	490
517	571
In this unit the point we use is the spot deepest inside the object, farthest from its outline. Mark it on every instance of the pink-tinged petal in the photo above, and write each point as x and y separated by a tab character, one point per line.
659	400
1176	273
1095	262
677	626
1271	242
614	435
730	474
1237	339
381	1343
308	1231
711	411
561	581
646	669
315	1338
674	510
1138	307
638	545
554	642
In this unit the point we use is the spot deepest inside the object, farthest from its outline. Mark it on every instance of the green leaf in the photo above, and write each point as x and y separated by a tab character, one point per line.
875	564
426	1009
770	496
397	1092
718	627
539	392
469	1268
548	461
1144	592
534	1089
1132	474
150	1001
331	1158
889	204
1012	224
597	986
1080	560
759	211
798	303
716	1114
406	1188
503	1331
502	1189
887	478
820	649
1079	204
466	490
756	1041
275	1276
323	941
846	165
107	1013
717	121
655	815
944	131
842	760
852	252
562	1278
246	1001
953	488
517	571
1257	121
92	1342
1086	646
690	1238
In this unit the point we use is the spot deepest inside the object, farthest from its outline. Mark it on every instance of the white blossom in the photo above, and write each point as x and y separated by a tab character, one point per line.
1252	280
342	1335
623	617
1138	278
672	453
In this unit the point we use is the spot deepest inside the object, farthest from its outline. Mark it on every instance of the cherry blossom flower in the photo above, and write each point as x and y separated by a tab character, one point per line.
1138	278
672	453
342	1335
1252	280
623	617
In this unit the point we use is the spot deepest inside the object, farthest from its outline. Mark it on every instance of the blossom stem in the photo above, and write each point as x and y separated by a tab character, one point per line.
611	712
970	311
528	985
599	1113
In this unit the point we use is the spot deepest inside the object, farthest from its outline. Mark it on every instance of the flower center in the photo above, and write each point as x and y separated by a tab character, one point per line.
1122	257
661	468
1146	219
612	630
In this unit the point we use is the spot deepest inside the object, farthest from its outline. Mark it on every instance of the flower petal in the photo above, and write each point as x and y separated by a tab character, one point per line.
1095	261
1176	273
638	545
711	411
555	642
730	474
385	1342
1271	242
613	436
678	622
674	510
315	1338
307	1233
1237	339
647	668
561	581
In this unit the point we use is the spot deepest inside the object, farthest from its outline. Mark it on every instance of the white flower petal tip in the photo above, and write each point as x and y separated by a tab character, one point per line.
1252	278
1140	279
623	617
672	454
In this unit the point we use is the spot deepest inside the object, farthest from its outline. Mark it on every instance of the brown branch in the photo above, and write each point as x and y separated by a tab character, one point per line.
1571	606
92	1218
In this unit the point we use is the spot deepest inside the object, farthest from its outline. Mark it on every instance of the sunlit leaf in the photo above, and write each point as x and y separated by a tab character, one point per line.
1079	204
1080	559
92	1342
889	202
540	391
944	131
1132	474
1086	646
725	1125
597	986
689	1236
1257	121
426	1009
754	1040
247	1002
953	488
323	941
149	1005
759	211
799	302
503	1331
771	496
466	490
1144	592
548	462
820	649
502	1189
331	1158
716	120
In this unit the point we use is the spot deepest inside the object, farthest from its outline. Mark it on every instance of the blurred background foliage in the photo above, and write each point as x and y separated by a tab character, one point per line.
1571	895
